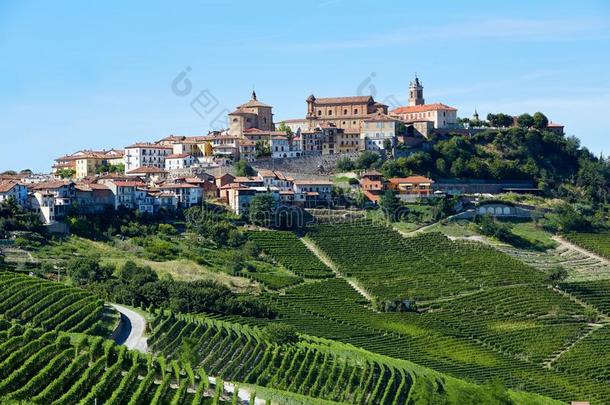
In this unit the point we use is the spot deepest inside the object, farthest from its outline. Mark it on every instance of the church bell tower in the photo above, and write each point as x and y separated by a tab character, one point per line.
416	93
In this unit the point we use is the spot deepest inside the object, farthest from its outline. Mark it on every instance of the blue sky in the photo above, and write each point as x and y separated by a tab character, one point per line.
98	75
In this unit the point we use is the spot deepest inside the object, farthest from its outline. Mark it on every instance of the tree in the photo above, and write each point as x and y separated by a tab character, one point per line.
387	144
66	173
85	270
557	275
367	159
242	168
345	164
262	149
540	120
500	120
281	333
261	209
389	204
285	128
525	121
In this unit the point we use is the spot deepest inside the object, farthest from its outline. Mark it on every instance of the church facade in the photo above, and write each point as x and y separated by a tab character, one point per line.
347	113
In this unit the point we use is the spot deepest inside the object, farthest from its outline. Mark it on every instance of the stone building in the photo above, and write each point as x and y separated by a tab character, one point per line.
252	114
347	113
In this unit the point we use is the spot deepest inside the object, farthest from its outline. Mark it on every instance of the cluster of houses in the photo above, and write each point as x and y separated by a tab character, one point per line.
54	198
174	172
334	125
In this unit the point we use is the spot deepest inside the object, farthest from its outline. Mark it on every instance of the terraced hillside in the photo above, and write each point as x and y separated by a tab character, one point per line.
47	367
598	242
51	306
390	267
499	319
291	253
580	266
316	368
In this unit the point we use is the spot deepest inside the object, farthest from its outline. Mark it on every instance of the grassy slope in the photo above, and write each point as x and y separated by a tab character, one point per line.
179	269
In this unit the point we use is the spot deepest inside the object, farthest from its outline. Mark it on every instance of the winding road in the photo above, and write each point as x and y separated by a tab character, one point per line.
131	331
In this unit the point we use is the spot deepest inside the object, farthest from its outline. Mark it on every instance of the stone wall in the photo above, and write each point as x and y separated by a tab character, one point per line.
305	166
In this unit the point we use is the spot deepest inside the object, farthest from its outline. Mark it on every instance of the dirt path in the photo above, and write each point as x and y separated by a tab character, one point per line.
594	326
132	328
585	252
329	263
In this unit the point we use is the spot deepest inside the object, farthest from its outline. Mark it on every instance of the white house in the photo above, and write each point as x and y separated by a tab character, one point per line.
282	147
13	189
186	194
311	193
179	161
145	154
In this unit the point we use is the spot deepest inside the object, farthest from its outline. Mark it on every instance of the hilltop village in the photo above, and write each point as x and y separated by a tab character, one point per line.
293	160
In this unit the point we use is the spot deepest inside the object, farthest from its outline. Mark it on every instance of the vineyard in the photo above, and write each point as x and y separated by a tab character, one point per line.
51	306
596	293
590	356
424	267
290	252
316	368
598	243
47	367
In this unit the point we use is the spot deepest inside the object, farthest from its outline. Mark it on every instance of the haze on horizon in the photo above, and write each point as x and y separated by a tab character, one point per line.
85	75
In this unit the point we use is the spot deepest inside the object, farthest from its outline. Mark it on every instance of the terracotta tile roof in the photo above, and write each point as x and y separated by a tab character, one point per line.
50	185
422	108
253	103
242	179
234	186
146	169
172	138
410	179
177	156
6	186
177	185
344	100
239	111
251	130
378	117
124	183
313	182
147	145
266	173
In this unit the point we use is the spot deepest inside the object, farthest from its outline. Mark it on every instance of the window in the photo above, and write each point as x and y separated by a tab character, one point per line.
330	112
345	112
356	111
319	112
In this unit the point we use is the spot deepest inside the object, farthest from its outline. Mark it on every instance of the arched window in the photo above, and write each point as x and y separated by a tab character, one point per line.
330	112
319	112
234	119
356	111
345	112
